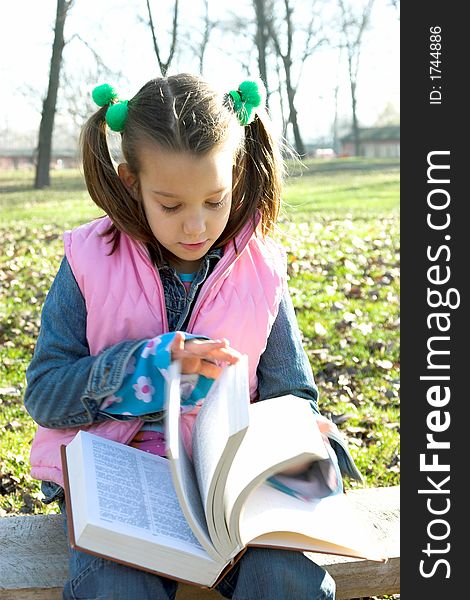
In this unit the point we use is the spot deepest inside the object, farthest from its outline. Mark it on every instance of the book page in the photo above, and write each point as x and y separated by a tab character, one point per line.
182	470
283	432
134	489
123	506
330	524
219	429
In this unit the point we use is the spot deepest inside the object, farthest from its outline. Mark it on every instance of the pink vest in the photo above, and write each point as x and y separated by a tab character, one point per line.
125	301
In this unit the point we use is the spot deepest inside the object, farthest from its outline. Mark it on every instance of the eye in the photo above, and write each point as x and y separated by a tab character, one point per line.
169	208
218	204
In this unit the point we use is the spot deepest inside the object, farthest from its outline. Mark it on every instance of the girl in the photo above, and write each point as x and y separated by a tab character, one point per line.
180	267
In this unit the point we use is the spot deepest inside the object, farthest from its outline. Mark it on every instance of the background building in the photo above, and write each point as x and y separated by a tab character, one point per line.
375	142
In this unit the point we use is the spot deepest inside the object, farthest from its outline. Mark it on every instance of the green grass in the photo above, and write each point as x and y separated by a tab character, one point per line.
65	202
361	188
340	226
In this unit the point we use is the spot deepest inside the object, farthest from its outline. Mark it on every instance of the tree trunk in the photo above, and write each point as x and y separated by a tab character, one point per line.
46	127
286	57
298	142
335	123
353	27
285	120
355	123
262	37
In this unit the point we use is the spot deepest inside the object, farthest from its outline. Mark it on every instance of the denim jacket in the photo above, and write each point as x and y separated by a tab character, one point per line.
66	386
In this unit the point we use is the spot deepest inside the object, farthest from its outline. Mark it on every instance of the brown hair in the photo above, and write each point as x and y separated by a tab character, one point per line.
181	113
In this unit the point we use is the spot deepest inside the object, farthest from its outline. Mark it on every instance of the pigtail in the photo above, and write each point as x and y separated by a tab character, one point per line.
258	178
103	183
264	171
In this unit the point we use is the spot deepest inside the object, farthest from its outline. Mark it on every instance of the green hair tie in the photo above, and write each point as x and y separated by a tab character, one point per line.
104	94
249	96
116	115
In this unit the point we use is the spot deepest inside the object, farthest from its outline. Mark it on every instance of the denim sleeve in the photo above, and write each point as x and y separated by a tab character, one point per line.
284	367
143	388
65	385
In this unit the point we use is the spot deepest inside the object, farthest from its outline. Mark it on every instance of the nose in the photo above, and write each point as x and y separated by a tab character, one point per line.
194	224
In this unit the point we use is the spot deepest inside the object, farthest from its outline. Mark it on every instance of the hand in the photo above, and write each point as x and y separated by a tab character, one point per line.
200	356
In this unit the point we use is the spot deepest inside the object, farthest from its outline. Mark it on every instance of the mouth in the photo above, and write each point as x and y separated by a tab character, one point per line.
194	247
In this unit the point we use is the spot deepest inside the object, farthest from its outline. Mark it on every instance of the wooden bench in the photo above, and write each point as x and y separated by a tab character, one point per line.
33	555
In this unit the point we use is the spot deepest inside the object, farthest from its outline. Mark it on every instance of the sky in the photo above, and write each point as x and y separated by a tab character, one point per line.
115	30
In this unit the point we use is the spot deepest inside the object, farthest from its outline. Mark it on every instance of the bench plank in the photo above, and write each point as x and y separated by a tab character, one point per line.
33	555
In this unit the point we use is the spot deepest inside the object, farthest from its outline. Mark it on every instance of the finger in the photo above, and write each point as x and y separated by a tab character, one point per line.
178	340
197	342
177	346
204	348
228	355
223	341
211	346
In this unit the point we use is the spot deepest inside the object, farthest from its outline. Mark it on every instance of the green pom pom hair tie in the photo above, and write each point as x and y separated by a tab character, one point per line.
249	96
116	115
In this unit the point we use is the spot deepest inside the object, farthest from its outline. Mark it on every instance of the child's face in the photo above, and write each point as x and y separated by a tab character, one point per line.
187	199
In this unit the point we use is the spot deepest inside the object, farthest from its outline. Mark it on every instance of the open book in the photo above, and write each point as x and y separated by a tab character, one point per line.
191	518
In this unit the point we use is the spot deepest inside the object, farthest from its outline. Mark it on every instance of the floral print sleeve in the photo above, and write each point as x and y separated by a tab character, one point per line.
143	388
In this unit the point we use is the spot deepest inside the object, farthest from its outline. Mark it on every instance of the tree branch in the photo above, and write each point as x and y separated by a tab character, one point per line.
164	66
155	44
96	56
173	38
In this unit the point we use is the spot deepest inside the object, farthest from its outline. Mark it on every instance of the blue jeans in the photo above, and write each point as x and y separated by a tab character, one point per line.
260	574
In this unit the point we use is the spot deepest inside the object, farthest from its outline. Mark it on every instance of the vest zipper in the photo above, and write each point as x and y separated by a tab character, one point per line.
243	239
217	273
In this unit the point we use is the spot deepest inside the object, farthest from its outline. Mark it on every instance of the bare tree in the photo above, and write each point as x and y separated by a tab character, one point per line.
241	29
353	27
42	178
285	120
77	81
76	102
208	27
250	34
164	65
388	116
288	29
262	38
198	41
334	128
